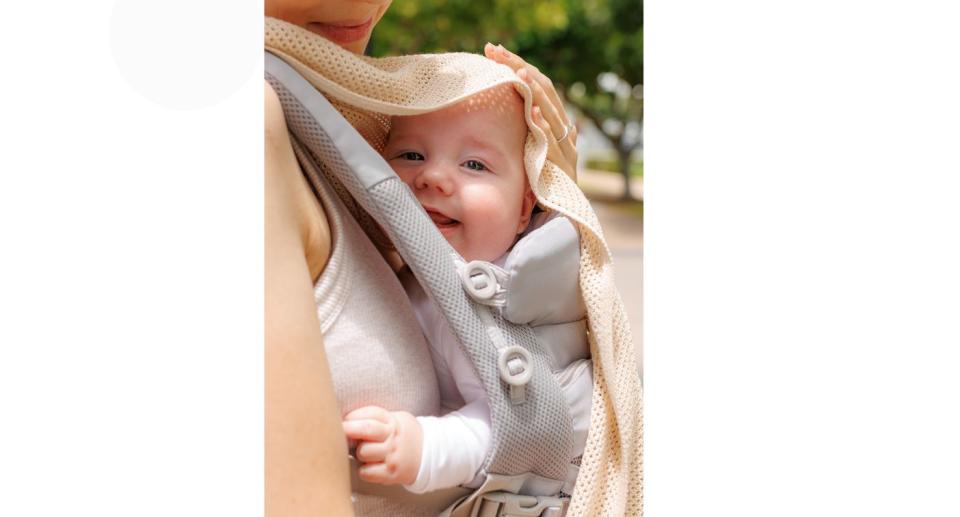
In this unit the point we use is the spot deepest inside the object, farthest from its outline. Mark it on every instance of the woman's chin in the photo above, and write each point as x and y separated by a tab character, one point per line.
344	38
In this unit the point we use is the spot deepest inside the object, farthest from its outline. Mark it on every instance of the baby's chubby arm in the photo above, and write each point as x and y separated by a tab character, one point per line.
389	444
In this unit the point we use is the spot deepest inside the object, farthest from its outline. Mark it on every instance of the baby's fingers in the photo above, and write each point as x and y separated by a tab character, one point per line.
369	413
367	430
378	473
372	452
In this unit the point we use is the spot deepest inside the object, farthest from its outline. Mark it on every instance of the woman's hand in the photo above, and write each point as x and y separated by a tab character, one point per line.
548	112
389	444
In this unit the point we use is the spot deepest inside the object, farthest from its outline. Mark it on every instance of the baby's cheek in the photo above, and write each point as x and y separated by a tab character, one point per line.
404	175
490	240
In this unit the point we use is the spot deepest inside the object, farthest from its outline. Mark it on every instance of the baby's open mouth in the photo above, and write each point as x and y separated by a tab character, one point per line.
441	220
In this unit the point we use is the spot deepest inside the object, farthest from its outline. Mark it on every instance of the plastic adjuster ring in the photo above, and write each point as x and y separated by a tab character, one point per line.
515	365
479	280
516	369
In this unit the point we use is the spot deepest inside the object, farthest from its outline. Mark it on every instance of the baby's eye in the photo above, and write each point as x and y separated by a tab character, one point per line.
475	165
411	155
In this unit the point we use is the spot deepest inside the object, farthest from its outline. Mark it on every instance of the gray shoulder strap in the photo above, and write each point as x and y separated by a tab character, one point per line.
534	437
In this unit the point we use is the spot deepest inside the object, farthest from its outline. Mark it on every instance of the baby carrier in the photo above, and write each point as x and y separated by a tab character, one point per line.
528	463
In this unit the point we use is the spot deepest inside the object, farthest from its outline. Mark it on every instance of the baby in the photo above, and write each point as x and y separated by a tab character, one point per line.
465	166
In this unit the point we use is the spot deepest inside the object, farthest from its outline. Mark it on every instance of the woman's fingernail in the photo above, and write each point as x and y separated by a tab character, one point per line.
501	49
488	46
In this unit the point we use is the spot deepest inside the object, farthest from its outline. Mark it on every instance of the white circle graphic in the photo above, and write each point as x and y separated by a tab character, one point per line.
186	54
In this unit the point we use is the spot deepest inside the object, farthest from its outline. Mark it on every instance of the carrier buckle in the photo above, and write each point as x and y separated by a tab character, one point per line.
505	504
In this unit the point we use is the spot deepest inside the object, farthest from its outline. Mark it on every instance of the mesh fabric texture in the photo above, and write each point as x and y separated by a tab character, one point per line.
529	438
368	91
519	444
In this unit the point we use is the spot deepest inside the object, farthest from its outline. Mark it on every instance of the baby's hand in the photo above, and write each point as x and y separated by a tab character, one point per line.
389	444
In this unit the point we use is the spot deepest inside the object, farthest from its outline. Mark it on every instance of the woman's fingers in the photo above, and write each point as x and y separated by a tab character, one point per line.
563	131
568	146
550	113
544	92
504	56
552	149
546	97
554	152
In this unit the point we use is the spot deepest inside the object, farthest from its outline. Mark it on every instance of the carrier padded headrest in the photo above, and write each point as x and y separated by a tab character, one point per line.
544	274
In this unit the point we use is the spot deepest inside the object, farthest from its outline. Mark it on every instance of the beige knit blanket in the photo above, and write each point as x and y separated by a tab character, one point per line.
367	91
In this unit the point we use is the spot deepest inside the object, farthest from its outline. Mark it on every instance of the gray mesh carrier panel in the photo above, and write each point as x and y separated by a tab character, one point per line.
533	437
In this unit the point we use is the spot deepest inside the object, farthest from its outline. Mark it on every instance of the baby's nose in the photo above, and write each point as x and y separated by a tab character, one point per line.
436	177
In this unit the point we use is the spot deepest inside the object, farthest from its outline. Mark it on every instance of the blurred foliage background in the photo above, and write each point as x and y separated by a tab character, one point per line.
591	49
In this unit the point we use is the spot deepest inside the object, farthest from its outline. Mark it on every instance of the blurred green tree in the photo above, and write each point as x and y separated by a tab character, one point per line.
591	49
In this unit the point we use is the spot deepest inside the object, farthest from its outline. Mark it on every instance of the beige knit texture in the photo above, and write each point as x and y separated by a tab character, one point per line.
368	91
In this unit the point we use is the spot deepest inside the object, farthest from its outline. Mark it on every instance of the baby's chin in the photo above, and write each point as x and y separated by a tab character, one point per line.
485	255
488	248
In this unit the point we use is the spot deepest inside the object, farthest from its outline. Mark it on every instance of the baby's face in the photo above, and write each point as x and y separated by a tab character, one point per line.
465	165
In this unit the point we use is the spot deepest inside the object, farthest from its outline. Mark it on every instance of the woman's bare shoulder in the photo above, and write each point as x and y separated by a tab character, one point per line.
275	127
286	188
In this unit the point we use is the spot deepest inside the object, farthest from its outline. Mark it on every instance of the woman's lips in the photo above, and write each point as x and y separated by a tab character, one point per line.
342	32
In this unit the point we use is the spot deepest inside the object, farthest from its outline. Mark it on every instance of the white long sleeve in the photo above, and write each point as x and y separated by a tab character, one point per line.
455	444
